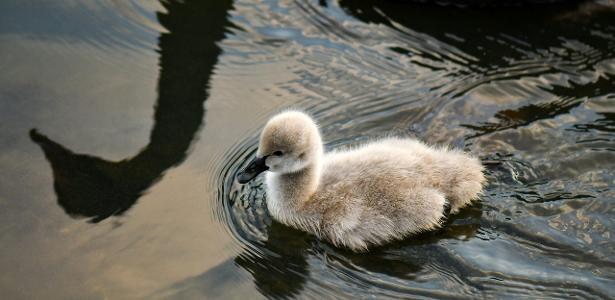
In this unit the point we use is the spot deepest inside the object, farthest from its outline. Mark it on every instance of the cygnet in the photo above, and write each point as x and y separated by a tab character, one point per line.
364	196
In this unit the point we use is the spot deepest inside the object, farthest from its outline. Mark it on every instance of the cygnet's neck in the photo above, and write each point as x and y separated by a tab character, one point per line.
288	192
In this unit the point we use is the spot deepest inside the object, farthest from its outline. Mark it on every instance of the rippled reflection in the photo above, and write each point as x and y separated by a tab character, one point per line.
92	187
281	270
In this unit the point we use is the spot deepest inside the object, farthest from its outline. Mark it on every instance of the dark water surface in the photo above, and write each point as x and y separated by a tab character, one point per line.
144	112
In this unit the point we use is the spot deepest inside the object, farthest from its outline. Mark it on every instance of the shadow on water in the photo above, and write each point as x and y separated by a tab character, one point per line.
95	188
525	115
495	37
280	265
280	271
513	118
605	123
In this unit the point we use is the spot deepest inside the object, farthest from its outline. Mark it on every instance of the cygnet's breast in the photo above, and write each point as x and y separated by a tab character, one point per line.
285	208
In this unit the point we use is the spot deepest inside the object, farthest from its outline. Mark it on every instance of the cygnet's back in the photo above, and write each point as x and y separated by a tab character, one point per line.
381	191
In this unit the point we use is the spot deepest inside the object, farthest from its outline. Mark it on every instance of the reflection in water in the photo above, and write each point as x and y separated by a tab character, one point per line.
525	115
280	271
92	187
513	118
605	123
493	42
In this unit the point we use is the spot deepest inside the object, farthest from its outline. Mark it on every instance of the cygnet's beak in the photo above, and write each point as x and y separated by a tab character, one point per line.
256	166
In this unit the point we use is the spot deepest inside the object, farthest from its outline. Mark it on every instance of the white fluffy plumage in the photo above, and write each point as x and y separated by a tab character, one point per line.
368	195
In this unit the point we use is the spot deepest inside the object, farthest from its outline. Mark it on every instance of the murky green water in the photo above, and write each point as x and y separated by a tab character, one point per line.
144	112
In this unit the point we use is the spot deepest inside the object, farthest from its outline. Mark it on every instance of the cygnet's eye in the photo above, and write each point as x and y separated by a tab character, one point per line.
277	153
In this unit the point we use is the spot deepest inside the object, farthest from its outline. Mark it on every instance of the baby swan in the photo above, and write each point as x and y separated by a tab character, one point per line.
378	192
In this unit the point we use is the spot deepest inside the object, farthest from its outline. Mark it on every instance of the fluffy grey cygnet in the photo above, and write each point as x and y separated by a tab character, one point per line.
368	195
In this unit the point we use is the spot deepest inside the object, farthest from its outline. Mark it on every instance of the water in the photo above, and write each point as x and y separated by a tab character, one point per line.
109	198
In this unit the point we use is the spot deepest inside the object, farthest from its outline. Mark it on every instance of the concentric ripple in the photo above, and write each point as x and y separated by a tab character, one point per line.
529	90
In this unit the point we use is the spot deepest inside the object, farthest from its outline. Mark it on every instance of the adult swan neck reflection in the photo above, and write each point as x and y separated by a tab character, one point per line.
95	188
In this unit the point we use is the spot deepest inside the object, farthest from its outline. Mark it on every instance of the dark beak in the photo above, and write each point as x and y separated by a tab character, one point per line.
256	166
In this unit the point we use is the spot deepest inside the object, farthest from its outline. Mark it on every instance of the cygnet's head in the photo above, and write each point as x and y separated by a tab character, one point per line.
289	143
